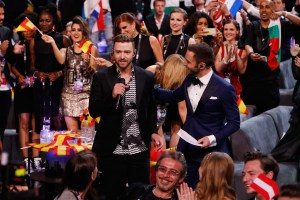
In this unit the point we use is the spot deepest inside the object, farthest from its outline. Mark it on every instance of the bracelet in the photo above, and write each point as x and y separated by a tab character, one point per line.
224	61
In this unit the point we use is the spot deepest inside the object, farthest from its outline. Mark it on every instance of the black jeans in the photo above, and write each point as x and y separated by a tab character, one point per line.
120	170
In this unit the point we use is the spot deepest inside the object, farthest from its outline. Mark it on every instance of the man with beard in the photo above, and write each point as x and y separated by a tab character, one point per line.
212	112
122	95
170	170
260	81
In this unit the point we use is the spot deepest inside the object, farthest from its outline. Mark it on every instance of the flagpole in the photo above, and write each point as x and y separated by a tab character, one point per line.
35	26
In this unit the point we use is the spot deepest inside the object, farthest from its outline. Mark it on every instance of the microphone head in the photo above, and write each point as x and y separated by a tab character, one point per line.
121	80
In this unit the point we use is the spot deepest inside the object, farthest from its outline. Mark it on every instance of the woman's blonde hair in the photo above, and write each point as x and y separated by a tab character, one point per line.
172	73
216	174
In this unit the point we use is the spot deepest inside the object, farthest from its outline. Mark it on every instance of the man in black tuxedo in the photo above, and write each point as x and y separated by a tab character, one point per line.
210	102
258	163
123	96
159	22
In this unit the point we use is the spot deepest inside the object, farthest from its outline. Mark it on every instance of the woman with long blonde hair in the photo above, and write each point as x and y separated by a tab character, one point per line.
169	76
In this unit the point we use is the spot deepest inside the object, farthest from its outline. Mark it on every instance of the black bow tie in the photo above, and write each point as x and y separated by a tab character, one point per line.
196	81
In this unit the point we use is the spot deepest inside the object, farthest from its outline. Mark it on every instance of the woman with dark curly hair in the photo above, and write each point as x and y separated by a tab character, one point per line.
196	28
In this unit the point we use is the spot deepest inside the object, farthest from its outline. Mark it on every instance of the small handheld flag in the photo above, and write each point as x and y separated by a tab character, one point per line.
90	119
26	25
86	46
265	186
242	107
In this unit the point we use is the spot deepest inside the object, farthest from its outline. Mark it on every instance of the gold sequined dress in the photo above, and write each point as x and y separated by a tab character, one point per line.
74	99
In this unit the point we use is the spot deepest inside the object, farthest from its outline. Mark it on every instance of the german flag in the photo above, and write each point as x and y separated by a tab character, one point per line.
26	25
86	46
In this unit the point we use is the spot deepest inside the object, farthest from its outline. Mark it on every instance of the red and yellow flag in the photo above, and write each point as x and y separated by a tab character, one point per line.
26	25
242	107
86	46
61	145
90	119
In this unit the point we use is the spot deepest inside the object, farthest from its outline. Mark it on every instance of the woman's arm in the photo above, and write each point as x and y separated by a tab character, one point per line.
182	111
60	54
242	62
157	50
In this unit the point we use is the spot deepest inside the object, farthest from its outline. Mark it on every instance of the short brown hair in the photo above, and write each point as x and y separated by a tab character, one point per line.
154	2
124	38
267	162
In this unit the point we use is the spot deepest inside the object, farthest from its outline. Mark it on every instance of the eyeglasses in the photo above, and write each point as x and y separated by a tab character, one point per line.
172	172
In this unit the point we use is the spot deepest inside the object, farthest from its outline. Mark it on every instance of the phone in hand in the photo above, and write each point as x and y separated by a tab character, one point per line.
211	31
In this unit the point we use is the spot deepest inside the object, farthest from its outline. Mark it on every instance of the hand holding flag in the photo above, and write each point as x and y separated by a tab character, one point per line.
86	47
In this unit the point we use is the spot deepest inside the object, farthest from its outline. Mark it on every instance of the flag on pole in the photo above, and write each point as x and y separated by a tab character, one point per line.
26	25
274	58
86	46
241	105
93	9
265	186
98	14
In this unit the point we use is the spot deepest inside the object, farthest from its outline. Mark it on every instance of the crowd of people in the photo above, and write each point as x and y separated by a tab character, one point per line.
181	73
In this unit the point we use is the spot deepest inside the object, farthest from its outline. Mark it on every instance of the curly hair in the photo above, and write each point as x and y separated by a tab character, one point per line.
216	174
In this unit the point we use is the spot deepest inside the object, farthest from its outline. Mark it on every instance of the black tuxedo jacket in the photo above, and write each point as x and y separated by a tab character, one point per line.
152	28
102	104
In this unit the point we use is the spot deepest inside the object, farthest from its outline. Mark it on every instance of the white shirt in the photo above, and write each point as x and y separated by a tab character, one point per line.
195	93
158	23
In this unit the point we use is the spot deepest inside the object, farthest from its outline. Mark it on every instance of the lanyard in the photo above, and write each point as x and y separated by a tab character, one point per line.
138	49
181	38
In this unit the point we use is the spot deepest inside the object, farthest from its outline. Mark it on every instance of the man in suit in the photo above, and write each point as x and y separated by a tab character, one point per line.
122	95
159	22
258	163
212	112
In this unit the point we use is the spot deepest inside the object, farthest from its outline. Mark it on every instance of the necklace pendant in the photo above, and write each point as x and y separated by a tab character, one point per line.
263	39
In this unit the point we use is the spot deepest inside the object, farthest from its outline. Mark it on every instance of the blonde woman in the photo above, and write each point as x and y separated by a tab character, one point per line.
170	75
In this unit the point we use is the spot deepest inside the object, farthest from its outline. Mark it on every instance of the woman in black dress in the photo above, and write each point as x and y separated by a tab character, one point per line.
148	51
23	100
48	72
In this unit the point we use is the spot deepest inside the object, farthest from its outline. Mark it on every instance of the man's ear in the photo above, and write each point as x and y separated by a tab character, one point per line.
94	175
270	175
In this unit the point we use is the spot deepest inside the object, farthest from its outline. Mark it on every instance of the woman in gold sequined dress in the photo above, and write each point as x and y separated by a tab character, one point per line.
78	72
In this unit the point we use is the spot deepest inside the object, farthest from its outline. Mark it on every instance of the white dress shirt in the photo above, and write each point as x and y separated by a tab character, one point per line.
195	93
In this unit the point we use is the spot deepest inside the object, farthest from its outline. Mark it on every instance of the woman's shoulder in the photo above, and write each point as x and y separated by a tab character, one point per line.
67	195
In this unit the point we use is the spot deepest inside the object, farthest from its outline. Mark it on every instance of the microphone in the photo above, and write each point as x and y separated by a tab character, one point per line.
119	80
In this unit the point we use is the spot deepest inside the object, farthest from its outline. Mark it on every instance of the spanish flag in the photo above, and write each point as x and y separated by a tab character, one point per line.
242	107
90	119
26	25
86	46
